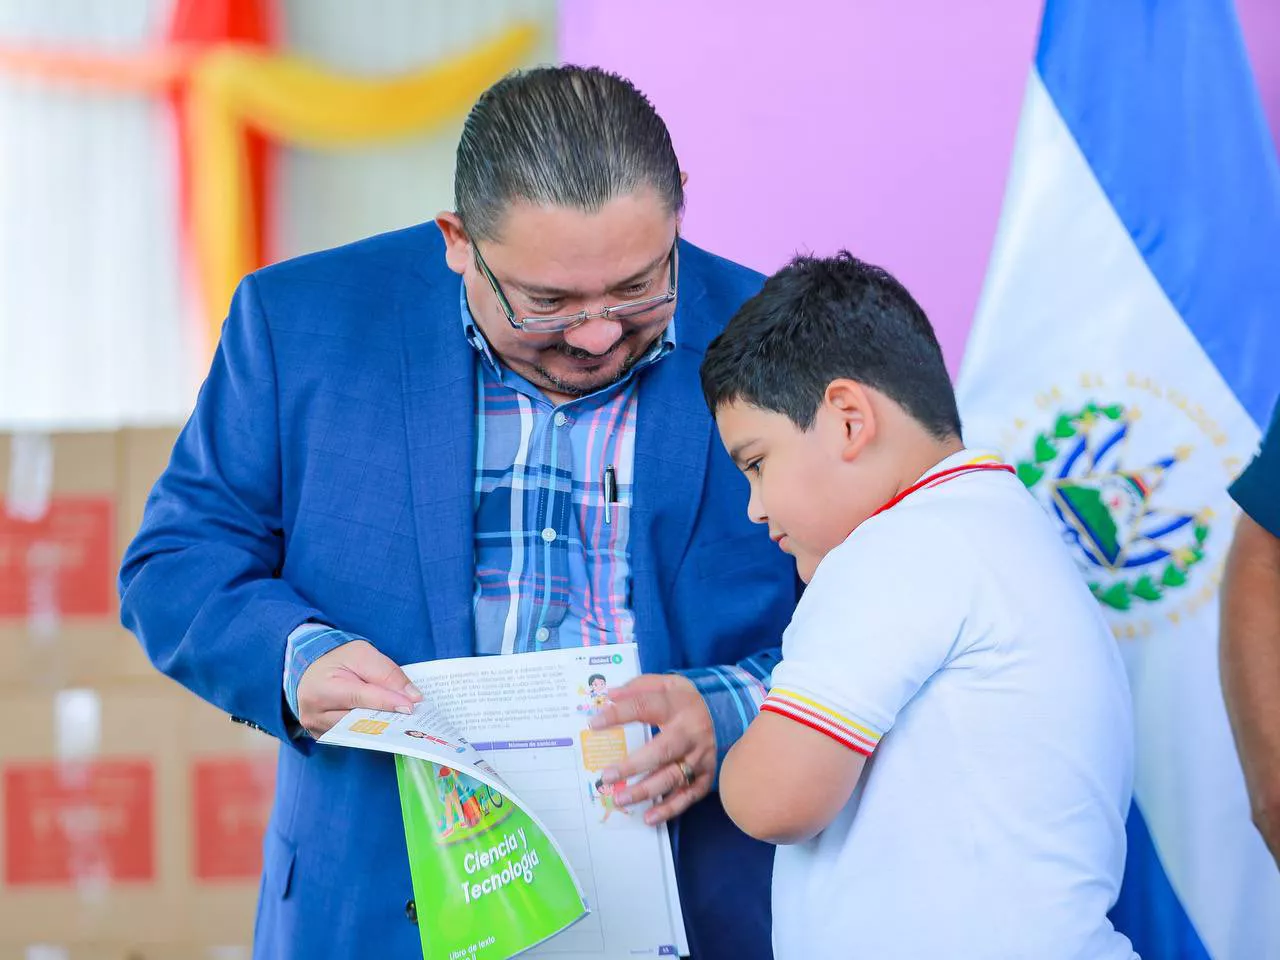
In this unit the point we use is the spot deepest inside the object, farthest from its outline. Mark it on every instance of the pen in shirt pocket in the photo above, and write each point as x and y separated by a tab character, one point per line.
610	492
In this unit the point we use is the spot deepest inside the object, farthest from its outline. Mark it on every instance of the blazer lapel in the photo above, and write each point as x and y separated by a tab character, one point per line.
439	397
672	436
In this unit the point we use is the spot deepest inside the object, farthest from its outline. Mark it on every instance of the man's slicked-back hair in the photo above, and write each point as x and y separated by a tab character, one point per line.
564	136
822	319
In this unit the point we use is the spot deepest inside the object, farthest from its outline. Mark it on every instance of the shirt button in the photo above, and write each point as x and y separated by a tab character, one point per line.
560	419
548	534
542	635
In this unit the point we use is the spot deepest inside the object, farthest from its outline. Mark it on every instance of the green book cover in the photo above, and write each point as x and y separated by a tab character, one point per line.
488	880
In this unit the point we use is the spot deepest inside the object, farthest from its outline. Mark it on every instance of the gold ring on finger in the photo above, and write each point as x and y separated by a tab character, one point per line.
687	772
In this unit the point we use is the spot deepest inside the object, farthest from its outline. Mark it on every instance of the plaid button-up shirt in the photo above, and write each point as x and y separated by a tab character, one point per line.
552	513
552	562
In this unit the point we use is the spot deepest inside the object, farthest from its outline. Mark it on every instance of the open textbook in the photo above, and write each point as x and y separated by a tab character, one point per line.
514	842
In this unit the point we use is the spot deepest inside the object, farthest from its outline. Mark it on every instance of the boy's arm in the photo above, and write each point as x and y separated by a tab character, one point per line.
784	782
859	648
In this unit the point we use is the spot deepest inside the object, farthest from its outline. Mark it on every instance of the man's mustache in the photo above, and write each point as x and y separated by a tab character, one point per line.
577	353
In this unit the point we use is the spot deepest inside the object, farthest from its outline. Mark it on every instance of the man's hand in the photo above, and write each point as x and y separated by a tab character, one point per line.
352	675
680	762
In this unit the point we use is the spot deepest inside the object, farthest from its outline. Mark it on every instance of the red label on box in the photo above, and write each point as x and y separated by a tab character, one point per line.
63	563
232	802
81	821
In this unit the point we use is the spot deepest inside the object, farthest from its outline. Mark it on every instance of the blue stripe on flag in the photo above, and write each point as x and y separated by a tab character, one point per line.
1161	99
1148	911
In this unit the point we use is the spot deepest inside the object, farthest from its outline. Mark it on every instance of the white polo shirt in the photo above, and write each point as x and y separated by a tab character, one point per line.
952	639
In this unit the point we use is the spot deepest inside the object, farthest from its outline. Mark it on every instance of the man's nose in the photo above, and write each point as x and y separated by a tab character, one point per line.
596	336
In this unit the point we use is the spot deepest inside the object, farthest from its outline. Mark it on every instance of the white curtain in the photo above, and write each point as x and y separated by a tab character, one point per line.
327	198
94	327
99	324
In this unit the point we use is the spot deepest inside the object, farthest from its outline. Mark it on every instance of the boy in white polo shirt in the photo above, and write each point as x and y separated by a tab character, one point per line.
945	753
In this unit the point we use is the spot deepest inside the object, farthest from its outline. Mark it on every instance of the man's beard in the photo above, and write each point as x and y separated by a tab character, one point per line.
577	353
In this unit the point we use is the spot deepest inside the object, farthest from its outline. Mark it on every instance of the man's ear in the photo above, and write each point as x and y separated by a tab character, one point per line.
848	405
684	182
457	245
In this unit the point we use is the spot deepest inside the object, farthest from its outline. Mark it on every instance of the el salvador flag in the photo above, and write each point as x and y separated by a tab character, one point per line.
1126	356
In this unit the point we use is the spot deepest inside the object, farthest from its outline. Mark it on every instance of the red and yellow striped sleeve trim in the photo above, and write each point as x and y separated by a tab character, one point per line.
817	716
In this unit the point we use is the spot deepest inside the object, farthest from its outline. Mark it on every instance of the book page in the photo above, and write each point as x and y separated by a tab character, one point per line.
525	716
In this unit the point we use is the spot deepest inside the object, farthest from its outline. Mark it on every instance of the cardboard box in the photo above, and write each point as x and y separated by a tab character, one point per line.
69	505
93	802
85	819
133	813
230	779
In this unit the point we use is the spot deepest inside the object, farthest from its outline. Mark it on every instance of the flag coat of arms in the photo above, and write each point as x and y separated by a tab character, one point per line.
1125	358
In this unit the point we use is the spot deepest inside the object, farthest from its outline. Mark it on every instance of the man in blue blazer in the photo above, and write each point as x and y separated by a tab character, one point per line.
479	436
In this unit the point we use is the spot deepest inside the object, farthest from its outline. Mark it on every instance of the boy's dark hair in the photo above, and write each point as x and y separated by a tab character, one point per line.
594	677
561	136
821	319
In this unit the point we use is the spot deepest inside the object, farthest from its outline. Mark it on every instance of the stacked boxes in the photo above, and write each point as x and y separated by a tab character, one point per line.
133	813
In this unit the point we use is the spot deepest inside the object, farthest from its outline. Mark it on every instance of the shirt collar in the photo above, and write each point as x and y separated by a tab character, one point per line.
963	458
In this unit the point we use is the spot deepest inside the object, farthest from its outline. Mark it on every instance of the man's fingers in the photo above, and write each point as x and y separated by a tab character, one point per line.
667	747
686	737
672	796
676	803
664	781
632	704
645	683
348	693
329	702
355	674
373	666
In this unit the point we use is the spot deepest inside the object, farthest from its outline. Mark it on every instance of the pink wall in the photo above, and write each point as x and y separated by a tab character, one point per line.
1260	20
881	126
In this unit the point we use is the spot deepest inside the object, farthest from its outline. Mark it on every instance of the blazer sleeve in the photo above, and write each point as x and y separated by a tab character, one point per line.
200	585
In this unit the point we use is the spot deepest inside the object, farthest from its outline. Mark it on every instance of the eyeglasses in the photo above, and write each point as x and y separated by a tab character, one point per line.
619	311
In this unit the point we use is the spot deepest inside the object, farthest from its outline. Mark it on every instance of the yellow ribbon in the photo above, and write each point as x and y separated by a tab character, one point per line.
294	101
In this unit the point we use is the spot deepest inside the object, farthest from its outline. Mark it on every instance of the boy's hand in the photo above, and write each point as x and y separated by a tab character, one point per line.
680	762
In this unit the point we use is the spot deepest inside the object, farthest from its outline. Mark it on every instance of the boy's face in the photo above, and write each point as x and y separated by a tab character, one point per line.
799	478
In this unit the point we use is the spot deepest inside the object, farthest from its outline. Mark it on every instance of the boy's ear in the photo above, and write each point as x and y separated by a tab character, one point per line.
849	405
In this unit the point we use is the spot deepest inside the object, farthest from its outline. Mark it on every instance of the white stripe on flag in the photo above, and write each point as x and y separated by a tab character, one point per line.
1071	315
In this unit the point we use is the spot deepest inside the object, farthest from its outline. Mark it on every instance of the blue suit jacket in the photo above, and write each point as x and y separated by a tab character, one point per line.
327	473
